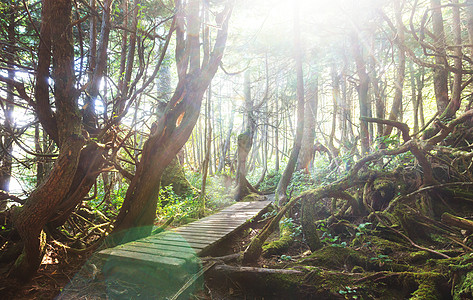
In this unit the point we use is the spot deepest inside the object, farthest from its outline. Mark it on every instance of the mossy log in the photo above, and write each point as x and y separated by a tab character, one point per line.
457	222
286	239
267	283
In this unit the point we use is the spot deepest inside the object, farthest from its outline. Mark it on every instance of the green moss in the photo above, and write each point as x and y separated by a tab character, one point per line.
283	243
336	257
174	174
357	269
427	290
250	197
418	256
464	289
428	284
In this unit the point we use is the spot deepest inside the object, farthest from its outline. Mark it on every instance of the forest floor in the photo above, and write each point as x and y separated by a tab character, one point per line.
55	272
357	261
61	275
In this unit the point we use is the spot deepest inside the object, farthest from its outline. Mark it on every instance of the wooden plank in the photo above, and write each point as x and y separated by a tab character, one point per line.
201	232
205	227
157	251
183	244
206	230
165	247
233	222
143	257
198	239
182	241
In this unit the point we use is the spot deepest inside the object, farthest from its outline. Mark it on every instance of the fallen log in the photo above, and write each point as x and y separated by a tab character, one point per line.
457	221
256	282
232	270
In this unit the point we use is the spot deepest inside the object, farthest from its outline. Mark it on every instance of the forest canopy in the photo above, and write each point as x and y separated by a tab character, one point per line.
119	118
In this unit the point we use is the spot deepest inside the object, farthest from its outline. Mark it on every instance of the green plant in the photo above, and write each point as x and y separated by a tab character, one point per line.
285	257
171	205
381	259
328	239
362	228
348	292
295	229
269	214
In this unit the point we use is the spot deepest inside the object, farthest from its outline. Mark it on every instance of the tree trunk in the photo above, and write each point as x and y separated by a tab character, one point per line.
440	74
415	103
138	212
245	142
401	69
174	174
226	144
281	190
6	141
30	219
205	167
420	102
362	91
455	102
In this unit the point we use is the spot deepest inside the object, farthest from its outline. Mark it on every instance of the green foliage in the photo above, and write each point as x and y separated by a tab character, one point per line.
285	257
381	258
300	182
171	205
270	182
390	141
328	239
363	228
348	292
289	223
269	214
117	196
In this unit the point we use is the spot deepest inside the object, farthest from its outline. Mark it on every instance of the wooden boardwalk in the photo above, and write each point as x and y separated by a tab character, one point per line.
194	239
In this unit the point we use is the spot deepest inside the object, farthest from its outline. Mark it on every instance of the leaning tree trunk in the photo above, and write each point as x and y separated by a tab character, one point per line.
291	164
138	212
30	219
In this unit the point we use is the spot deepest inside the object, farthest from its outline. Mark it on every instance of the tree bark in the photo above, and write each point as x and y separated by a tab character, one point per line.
455	102
30	219
440	74
6	141
401	69
362	90
138	212
245	143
